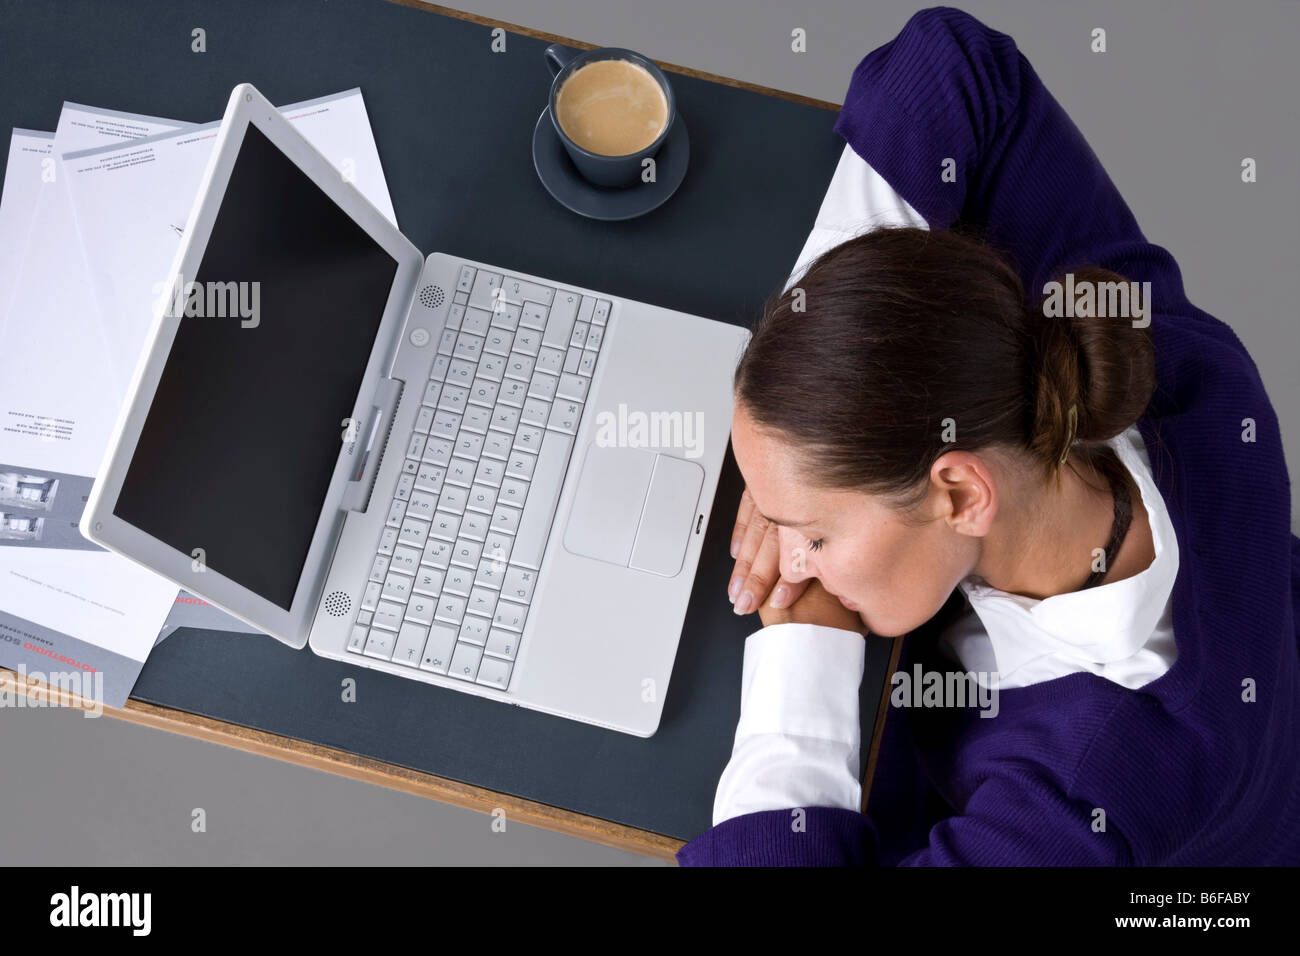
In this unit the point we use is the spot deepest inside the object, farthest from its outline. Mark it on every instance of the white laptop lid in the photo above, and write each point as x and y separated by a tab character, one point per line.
248	421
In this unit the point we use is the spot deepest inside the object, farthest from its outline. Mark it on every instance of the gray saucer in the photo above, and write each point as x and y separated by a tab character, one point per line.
563	181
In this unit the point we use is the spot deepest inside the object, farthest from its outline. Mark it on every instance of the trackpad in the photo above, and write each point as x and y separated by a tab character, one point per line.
634	508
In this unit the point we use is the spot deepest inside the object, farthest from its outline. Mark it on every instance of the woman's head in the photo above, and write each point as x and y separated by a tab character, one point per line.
900	393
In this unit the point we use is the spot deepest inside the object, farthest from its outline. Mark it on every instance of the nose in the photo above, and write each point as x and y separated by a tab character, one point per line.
796	558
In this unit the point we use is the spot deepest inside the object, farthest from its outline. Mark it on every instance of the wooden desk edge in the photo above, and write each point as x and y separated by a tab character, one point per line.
578	44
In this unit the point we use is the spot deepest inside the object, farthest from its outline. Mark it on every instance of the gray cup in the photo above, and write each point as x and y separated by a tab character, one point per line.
596	167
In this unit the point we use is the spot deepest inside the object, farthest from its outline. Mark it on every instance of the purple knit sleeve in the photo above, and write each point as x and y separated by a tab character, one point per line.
956	120
811	836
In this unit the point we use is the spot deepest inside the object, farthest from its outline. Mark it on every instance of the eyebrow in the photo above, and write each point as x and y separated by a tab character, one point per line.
787	523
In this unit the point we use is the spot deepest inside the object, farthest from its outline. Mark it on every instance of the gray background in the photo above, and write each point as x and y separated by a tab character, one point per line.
1185	91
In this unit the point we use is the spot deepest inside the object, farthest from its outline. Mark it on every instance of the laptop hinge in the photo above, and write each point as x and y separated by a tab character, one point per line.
373	439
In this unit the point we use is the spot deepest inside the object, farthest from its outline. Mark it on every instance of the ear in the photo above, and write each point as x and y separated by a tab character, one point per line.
968	493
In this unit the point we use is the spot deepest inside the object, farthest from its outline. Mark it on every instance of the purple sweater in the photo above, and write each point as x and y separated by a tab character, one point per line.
1202	765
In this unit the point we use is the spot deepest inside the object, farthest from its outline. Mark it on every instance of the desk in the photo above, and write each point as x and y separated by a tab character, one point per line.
453	122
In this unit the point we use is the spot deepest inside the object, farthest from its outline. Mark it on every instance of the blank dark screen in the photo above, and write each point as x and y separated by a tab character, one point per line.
245	429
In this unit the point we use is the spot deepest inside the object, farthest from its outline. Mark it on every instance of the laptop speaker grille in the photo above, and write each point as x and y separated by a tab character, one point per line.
338	603
431	296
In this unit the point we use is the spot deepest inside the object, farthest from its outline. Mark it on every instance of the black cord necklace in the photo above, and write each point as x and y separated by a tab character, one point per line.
1113	469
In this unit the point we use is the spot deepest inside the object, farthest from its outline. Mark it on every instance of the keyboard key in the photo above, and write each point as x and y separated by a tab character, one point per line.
422	505
387	540
482	498
438	648
578	336
506	316
496	445
445	425
505	418
475	629
466	552
371	598
492	367
454	398
518	290
469	444
447	342
461	372
445	526
586	308
510	616
519	584
406	559
423	419
595	337
520	366
513	392
379	569
413	532
529	438
458	581
450	609
481	295
437	554
536	411
380	644
498	341
432	392
587	366
455	315
396	512
468	346
477	419
551	360
429	477
428	581
465	279
494	673
601	313
543	495
572	358
464	662
521	464
489	574
513	491
502	644
489	472
388	616
357	642
564	417
452	500
410	644
560	323
542	386
496	547
484	392
573	386
421	608
477	321
505	519
482	601
460	472
474	525
528	341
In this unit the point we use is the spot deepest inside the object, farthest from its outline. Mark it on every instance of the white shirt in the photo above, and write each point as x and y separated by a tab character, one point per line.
798	741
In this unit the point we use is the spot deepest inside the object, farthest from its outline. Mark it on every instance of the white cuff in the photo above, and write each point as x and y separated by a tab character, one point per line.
798	740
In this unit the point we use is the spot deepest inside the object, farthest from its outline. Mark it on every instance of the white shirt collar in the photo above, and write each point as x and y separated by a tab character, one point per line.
1097	626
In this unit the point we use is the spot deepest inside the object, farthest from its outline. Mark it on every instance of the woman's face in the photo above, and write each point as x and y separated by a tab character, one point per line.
895	573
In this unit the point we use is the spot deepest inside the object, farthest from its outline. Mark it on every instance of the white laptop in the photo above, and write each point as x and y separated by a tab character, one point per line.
447	470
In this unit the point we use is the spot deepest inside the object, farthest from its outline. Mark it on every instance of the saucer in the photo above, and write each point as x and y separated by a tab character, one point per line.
563	181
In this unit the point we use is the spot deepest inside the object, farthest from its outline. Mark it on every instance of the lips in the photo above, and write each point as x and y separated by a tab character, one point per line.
847	603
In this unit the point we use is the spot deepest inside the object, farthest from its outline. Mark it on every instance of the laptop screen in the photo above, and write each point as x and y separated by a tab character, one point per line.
238	448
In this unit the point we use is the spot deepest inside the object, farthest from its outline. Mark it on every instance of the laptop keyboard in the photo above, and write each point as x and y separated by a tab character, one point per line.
460	553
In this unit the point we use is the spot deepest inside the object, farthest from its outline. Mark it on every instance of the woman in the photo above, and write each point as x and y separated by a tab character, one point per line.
1084	511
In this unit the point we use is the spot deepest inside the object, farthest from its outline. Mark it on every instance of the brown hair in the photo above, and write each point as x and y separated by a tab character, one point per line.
903	329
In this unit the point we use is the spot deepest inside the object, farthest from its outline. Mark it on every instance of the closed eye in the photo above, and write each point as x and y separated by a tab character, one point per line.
815	545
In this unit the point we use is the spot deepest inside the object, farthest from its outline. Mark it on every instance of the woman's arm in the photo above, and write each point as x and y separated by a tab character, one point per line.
953	116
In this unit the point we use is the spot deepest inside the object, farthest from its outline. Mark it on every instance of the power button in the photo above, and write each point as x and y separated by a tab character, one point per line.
419	338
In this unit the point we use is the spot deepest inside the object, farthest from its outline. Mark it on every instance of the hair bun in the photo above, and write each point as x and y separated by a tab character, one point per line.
1103	366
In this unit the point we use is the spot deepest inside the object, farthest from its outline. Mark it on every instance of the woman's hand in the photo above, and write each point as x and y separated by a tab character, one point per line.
816	606
756	578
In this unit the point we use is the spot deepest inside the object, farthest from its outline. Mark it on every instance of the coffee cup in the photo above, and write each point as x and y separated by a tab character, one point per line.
618	108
